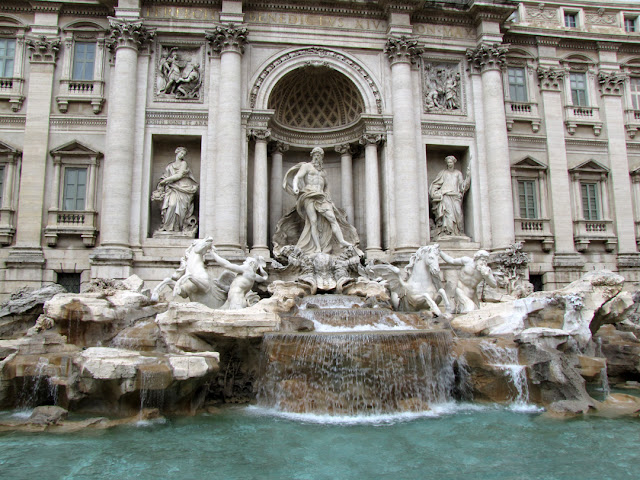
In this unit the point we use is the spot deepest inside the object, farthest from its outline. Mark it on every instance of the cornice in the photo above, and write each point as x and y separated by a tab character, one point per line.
352	10
207	3
448	129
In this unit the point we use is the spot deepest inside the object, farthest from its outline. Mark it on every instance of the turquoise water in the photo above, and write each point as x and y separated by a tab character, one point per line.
454	442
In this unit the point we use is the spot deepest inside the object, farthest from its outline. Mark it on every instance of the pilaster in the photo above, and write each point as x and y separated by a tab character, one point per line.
489	60
27	254
402	52
114	257
229	42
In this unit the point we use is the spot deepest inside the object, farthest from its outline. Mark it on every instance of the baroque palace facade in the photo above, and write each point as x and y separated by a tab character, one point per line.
538	102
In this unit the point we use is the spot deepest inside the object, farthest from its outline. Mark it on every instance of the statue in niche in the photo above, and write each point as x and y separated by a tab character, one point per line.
446	193
176	190
316	225
230	291
442	86
179	78
474	270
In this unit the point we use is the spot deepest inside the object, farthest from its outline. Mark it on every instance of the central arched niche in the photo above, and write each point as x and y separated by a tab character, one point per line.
316	98
316	105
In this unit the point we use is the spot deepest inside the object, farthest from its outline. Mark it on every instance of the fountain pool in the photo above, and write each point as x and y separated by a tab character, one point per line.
450	442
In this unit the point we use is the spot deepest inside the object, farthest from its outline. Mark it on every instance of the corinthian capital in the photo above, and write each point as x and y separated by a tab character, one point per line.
549	78
227	38
43	49
611	82
128	33
487	57
402	49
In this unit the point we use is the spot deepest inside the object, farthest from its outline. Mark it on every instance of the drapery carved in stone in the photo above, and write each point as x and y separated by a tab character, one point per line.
227	38
402	49
550	77
179	75
258	134
487	57
372	139
442	89
611	82
128	33
43	49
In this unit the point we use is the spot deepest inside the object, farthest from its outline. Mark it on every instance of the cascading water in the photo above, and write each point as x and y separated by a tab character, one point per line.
506	360
39	387
354	372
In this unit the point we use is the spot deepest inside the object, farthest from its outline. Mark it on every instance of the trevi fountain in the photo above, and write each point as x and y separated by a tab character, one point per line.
320	362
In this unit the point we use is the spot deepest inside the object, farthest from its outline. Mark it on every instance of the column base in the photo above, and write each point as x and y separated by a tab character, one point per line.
260	252
111	262
375	254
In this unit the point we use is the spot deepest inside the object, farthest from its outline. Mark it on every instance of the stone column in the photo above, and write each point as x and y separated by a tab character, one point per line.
402	52
372	193
560	190
260	192
346	175
229	41
27	253
275	193
114	254
488	60
611	86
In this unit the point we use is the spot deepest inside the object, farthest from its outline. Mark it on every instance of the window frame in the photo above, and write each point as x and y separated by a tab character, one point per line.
13	87
585	90
522	193
524	86
576	13
73	155
73	89
10	163
76	61
592	209
65	186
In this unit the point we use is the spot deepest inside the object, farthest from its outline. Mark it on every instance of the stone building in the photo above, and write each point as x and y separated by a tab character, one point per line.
539	102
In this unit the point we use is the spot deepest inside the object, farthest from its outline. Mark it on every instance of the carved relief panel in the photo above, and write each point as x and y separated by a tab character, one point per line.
179	72
443	90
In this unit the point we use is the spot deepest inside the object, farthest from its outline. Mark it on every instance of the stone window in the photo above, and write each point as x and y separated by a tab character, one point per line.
527	198
7	57
590	201
630	24
529	183
82	79
8	170
72	211
520	101
592	218
70	281
634	87
75	189
12	49
517	84
84	59
578	84
570	19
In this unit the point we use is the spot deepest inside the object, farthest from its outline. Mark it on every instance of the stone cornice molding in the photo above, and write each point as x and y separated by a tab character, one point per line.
372	139
259	134
487	57
402	50
47	7
609	46
126	33
345	149
227	39
548	41
43	49
611	82
278	147
550	78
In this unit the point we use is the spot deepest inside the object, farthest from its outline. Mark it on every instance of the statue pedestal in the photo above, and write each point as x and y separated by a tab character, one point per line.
165	234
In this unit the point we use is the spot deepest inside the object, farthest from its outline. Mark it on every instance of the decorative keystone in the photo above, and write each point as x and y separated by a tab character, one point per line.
128	33
372	139
549	78
611	82
43	49
259	134
227	39
402	50
487	57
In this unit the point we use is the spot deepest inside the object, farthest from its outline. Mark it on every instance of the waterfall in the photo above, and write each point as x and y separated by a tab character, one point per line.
38	387
352	373
506	360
